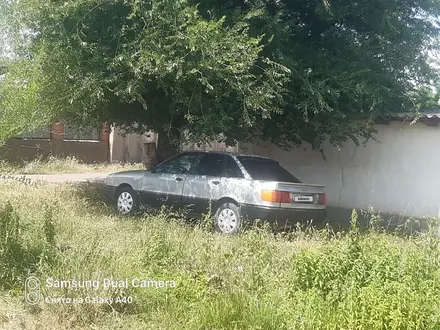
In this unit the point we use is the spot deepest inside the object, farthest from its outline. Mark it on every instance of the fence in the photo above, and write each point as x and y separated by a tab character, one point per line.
89	145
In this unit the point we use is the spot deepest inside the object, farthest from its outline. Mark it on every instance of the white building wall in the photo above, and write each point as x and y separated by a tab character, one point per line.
401	174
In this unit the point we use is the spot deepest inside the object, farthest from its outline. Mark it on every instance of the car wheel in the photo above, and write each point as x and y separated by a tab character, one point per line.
126	201
228	219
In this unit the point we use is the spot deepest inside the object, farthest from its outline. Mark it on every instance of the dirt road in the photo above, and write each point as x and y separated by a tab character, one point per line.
60	178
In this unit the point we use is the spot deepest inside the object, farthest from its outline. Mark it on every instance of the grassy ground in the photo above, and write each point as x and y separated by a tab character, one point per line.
53	165
258	280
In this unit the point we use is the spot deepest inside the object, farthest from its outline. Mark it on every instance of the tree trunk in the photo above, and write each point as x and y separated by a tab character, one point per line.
166	147
149	155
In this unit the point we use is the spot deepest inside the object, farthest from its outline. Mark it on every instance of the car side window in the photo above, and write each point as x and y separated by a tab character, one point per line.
232	168
211	164
179	165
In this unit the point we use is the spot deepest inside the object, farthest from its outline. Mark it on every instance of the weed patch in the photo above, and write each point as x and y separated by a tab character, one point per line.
304	279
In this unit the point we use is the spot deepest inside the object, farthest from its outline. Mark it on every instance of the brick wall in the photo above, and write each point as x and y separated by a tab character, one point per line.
26	149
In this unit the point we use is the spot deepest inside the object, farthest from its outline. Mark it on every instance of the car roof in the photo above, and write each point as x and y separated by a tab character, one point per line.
236	154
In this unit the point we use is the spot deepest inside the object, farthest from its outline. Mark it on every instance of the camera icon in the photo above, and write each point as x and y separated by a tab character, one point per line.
32	290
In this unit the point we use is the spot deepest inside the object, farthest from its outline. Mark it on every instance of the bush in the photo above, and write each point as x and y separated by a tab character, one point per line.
20	257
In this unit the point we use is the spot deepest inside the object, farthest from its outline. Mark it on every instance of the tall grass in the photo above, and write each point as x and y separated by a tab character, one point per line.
308	279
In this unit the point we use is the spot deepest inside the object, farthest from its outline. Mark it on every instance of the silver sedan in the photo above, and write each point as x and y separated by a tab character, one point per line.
234	187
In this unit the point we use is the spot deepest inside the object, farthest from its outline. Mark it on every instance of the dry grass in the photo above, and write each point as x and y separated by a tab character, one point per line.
53	165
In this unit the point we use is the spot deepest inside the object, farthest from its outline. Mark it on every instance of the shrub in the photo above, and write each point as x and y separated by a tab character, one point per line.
19	256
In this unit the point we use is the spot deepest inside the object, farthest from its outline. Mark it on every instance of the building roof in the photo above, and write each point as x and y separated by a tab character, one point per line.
427	117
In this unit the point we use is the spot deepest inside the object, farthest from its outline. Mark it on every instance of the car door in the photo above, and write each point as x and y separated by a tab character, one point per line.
164	185
204	184
237	186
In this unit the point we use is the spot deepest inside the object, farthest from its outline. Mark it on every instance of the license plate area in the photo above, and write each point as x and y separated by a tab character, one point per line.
303	198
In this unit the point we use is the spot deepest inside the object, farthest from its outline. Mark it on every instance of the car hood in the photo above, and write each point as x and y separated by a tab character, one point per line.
134	172
131	174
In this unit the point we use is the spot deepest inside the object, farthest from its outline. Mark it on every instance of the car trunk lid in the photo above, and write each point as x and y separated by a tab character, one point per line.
302	193
295	195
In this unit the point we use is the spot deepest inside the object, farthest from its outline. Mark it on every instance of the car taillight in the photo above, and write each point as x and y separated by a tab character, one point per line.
322	200
276	196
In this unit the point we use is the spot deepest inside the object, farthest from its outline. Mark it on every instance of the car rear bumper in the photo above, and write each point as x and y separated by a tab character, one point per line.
282	217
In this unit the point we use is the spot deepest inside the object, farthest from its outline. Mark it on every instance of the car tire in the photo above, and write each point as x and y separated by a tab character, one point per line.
227	219
126	201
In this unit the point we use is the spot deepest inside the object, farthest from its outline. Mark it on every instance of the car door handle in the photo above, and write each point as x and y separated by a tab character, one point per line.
215	182
179	179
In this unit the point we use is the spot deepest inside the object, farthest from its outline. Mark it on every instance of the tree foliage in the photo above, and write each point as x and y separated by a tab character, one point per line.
349	59
428	100
288	71
19	84
158	64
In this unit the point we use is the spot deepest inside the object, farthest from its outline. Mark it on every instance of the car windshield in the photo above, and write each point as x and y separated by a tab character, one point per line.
266	170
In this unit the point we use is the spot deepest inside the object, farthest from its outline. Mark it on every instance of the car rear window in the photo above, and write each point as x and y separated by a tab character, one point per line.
266	170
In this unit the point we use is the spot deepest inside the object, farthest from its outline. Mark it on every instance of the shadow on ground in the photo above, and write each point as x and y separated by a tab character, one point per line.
338	219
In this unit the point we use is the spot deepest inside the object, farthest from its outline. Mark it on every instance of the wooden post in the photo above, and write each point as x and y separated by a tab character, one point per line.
104	133
57	131
104	137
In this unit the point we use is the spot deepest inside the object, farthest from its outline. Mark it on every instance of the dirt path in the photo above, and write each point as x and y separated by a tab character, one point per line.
60	178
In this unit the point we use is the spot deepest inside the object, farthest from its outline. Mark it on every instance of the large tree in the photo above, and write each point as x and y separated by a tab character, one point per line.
349	59
288	71
156	64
